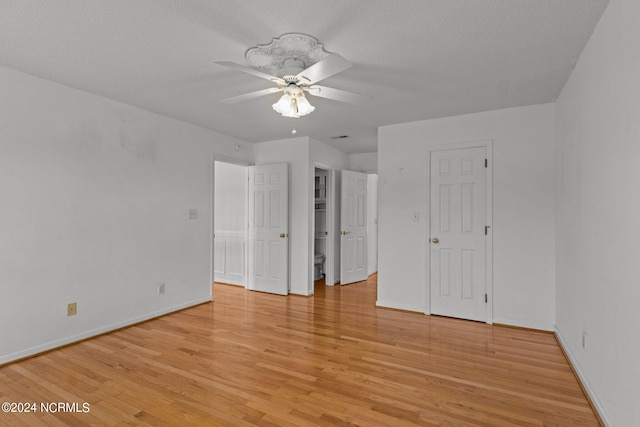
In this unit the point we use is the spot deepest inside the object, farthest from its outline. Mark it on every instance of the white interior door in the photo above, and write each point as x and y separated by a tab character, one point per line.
268	229
458	233
353	226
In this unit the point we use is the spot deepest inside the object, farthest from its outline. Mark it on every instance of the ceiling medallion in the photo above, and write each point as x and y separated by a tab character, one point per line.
301	48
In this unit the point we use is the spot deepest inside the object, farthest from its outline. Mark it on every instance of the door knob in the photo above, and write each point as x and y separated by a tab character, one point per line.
282	235
344	233
435	240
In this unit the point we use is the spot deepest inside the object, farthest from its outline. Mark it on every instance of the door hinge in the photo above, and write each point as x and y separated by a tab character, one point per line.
486	230
486	163
486	298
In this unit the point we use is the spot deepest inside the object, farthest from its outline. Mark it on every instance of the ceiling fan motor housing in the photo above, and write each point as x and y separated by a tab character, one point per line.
290	68
293	90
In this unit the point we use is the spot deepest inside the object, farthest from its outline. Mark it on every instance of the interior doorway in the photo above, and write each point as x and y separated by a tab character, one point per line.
230	199
323	227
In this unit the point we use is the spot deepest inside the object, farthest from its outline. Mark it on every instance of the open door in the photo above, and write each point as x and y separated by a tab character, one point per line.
353	225
269	228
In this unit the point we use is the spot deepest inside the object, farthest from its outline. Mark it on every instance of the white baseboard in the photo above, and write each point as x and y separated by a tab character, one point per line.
524	324
230	282
7	358
582	378
399	306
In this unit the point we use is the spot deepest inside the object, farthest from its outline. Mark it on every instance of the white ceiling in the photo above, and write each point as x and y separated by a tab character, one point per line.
417	59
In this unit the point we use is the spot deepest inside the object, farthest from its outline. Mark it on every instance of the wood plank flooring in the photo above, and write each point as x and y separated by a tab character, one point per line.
250	358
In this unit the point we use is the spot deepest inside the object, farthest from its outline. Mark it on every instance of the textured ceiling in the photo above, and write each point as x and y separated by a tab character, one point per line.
417	59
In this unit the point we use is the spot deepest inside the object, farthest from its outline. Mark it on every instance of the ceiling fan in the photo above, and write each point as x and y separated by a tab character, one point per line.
286	57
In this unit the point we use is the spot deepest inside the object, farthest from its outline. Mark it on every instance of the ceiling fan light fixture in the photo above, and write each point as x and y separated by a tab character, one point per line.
304	107
283	105
293	105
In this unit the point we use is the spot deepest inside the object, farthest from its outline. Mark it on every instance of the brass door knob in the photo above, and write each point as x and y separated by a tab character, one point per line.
344	233
435	240
282	235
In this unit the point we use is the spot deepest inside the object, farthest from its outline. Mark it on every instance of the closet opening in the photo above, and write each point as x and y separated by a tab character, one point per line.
321	231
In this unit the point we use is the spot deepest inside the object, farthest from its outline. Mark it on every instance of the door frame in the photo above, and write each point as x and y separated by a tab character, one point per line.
488	146
331	223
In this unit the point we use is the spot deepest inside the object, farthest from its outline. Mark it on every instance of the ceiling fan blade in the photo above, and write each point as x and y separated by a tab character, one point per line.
251	95
338	94
251	71
332	64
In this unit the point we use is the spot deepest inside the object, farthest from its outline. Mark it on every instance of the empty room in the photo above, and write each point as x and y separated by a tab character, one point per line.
300	213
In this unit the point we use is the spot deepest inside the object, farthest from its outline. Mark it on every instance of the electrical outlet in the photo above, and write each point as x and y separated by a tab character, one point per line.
72	309
161	289
193	213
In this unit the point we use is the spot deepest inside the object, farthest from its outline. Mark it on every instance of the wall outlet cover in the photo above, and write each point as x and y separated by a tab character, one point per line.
72	309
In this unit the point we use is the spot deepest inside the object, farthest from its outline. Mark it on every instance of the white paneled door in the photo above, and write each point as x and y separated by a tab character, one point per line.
353	226
268	229
458	233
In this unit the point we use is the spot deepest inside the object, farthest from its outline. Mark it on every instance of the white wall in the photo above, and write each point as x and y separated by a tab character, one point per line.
372	223
523	207
598	211
230	223
329	156
295	152
95	199
364	162
230	206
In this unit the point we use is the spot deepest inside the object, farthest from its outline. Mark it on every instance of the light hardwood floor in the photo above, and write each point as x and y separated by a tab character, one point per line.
251	358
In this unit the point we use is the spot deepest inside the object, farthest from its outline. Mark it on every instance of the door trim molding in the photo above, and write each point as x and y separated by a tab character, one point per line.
488	145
